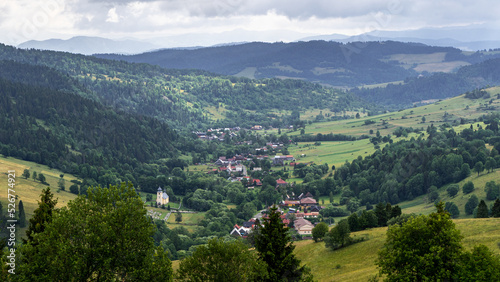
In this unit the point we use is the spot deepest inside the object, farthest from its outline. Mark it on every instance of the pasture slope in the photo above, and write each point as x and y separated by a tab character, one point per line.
357	262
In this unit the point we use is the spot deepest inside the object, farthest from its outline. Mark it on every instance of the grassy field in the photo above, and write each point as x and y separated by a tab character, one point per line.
357	262
455	108
423	206
331	152
189	221
28	190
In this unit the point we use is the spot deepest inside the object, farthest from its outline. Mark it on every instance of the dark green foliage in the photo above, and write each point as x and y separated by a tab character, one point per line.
178	217
403	218
452	208
362	67
468	187
26	174
381	213
436	86
222	261
41	215
492	190
105	236
276	250
471	204
339	236
319	231
354	222
452	190
332	211
495	210
481	264
424	248
41	178
22	214
479	167
74	189
482	210
433	194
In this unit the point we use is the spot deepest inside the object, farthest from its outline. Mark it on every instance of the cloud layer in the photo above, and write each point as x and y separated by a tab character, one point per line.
23	20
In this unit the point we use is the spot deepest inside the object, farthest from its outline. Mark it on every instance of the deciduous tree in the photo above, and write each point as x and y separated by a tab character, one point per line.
319	231
222	261
103	237
426	248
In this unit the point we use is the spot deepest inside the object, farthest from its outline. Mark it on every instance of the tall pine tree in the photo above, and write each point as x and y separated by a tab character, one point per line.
22	215
482	210
42	215
276	250
495	210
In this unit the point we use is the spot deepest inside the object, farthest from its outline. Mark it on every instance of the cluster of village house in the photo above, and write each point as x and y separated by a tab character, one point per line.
301	224
237	172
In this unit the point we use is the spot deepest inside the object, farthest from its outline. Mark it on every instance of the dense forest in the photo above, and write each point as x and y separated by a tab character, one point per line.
435	86
185	99
350	64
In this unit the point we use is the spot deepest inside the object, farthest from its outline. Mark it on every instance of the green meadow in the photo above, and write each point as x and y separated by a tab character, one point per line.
357	262
29	190
438	113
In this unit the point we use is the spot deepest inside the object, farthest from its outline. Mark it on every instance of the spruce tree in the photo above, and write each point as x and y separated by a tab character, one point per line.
22	215
276	250
482	210
42	215
495	210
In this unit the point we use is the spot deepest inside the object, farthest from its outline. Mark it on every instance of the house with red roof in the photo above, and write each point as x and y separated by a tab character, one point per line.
281	182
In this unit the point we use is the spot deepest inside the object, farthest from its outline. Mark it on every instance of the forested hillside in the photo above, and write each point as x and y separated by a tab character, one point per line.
333	63
436	86
190	99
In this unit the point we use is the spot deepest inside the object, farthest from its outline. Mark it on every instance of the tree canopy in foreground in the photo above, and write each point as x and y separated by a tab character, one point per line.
105	236
429	248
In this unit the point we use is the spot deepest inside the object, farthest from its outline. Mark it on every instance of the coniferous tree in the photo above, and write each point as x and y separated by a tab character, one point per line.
495	210
22	214
471	204
276	249
42	215
482	210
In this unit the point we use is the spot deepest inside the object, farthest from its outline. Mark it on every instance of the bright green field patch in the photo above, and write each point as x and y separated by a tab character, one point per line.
331	152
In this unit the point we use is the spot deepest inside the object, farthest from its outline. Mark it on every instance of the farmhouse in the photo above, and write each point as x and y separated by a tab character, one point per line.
308	202
303	226
280	160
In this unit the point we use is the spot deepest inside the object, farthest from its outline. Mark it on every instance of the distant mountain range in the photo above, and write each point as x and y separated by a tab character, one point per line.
327	62
465	38
90	45
469	38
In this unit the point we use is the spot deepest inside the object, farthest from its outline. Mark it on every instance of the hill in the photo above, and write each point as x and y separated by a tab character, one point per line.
357	262
90	45
419	90
28	190
185	99
332	63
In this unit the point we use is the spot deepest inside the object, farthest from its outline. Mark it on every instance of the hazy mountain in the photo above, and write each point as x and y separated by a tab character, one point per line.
327	62
470	38
90	45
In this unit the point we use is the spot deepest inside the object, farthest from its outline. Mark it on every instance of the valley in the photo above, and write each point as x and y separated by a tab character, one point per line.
226	148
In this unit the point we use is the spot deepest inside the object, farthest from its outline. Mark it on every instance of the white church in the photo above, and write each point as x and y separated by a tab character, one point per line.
161	197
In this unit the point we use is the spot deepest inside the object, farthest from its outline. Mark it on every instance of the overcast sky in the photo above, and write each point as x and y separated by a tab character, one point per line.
22	20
